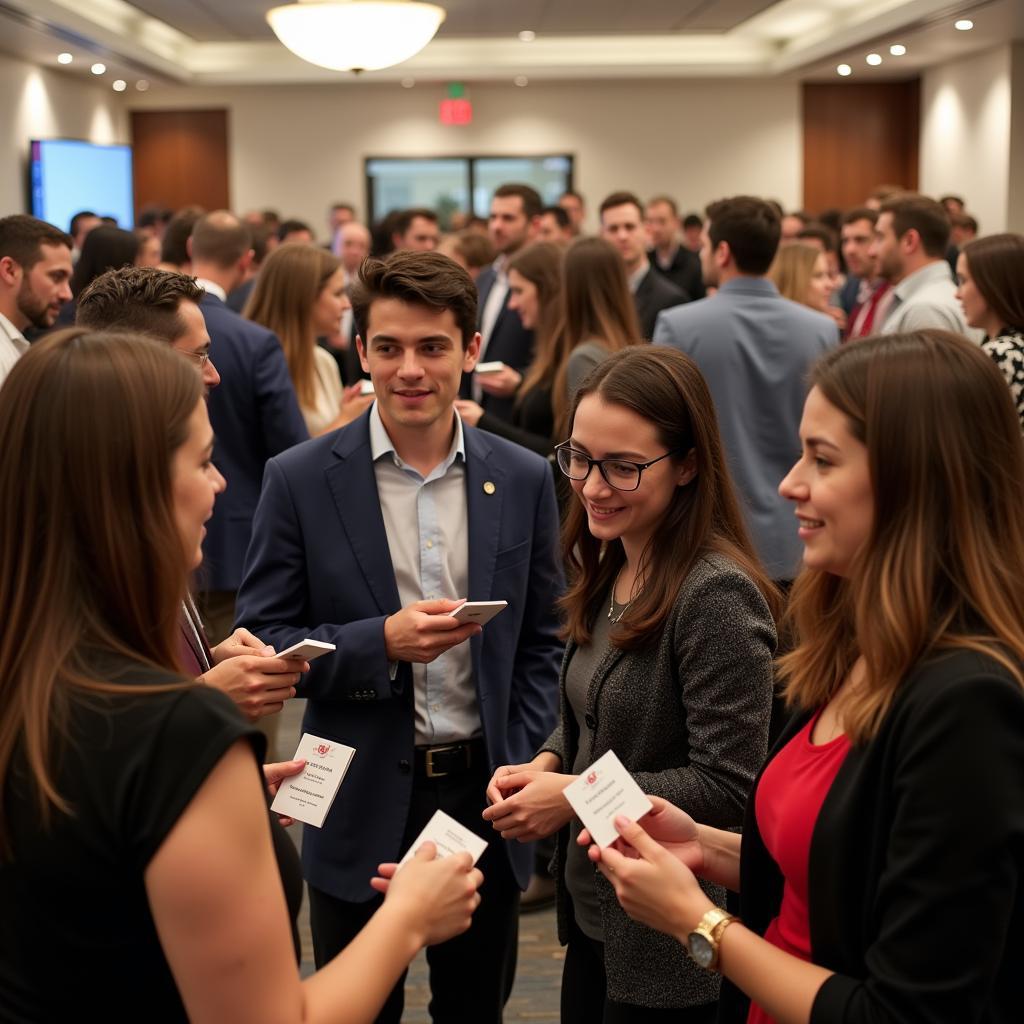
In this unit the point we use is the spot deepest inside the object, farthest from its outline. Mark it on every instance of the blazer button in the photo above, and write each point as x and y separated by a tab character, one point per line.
590	720
404	767
371	694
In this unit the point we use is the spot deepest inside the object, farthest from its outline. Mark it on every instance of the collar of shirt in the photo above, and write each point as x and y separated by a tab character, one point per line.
936	272
638	275
16	338
749	284
500	267
381	445
213	288
666	263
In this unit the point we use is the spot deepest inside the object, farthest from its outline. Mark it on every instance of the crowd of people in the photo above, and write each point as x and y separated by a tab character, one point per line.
750	483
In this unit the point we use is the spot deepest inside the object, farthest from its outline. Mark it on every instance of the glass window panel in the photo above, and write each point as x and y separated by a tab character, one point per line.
441	185
549	175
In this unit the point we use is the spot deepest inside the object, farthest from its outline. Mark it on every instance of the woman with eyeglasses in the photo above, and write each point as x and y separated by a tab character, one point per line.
670	635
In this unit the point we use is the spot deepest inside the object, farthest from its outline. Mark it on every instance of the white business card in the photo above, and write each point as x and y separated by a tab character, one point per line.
603	791
308	796
449	837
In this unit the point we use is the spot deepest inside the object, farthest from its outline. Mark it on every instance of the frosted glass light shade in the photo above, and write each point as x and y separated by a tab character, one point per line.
363	35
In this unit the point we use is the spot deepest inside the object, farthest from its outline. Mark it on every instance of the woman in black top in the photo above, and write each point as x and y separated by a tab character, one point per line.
909	622
137	862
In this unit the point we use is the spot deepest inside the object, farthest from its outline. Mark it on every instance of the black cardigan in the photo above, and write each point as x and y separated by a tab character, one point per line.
916	870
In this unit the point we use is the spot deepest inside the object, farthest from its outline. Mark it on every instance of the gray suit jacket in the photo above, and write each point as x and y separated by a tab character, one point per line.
755	349
689	720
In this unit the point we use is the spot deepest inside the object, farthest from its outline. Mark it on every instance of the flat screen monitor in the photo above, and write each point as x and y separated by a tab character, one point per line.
68	176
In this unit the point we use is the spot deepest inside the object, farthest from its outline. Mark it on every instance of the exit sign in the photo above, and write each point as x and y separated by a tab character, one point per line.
456	111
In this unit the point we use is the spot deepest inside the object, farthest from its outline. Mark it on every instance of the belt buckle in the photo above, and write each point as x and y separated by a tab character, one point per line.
430	752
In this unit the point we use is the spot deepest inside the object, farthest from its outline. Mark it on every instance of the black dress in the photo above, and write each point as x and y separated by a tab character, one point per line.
76	931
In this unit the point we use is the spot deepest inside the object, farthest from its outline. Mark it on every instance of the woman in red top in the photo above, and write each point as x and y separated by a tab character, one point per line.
881	869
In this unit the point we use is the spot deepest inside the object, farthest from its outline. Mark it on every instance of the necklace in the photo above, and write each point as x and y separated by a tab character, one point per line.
612	617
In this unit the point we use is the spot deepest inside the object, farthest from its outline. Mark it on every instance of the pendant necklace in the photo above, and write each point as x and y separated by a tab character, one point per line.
612	617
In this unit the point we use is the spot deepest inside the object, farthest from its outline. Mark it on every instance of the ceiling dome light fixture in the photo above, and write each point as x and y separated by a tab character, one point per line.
963	25
64	58
845	70
874	59
897	49
356	35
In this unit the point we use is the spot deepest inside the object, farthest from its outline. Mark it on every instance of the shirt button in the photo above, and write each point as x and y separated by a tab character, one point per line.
590	720
430	544
404	767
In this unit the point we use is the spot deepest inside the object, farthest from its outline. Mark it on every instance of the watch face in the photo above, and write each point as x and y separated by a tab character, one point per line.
701	950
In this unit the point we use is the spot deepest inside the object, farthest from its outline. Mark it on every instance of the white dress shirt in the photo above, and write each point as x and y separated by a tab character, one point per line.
12	346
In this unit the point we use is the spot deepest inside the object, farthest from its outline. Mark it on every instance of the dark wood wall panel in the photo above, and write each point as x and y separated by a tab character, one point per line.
857	136
180	158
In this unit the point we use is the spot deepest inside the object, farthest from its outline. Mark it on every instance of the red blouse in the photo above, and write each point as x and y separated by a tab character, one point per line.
787	802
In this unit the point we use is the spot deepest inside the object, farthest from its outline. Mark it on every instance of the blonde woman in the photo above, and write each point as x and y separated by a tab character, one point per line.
300	295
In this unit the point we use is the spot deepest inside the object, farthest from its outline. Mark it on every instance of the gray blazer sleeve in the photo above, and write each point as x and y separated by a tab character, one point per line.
582	360
723	640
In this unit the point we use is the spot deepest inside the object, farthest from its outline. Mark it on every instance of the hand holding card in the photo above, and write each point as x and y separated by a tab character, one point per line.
308	797
449	837
602	792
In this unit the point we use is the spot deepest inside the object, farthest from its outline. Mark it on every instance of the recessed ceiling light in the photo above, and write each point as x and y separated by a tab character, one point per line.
844	70
120	85
521	80
98	69
874	59
527	36
897	49
963	25
142	85
408	83
64	58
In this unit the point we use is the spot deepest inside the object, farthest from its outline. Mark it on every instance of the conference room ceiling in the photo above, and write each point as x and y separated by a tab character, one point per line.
244	20
227	42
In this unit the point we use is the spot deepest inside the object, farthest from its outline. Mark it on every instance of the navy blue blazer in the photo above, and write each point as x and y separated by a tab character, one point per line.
319	566
254	414
510	342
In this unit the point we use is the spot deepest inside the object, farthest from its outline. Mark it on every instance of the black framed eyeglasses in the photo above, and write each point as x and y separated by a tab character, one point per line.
621	474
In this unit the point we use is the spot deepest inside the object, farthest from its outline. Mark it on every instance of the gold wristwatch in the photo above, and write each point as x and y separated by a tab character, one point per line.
702	942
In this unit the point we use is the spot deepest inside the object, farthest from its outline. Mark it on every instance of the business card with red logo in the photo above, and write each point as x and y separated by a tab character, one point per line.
308	796
603	791
449	837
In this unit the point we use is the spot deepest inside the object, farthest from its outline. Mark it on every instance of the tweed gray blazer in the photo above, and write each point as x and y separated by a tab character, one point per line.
688	717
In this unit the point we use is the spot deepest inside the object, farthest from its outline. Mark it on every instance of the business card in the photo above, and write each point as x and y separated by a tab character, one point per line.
603	791
308	796
449	837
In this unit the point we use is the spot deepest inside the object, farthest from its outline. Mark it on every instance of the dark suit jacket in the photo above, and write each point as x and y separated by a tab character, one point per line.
510	342
848	294
254	414
684	271
916	869
653	294
320	566
240	296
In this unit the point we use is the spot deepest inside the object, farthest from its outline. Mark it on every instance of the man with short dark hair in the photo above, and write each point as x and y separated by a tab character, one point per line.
573	204
514	221
80	225
866	295
339	215
295	231
754	348
164	306
622	224
693	226
365	538
911	236
417	230
792	224
35	281
672	260
254	413
555	226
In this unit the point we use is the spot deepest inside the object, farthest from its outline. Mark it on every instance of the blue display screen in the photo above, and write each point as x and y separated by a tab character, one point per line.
69	176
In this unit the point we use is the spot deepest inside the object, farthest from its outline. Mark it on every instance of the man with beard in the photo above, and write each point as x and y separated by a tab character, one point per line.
35	281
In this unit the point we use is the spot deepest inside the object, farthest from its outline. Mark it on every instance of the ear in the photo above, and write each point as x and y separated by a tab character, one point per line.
723	254
911	241
472	354
361	349
688	467
10	271
188	248
247	260
534	227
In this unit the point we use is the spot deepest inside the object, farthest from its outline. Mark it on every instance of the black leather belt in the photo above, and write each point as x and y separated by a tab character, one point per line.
449	759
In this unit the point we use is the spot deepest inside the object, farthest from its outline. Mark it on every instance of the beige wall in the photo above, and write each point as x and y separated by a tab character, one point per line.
299	147
965	134
38	103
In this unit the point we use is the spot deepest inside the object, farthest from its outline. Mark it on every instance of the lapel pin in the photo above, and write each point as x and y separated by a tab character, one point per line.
489	488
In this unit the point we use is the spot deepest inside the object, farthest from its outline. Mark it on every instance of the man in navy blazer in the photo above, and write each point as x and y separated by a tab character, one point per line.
365	538
254	412
514	222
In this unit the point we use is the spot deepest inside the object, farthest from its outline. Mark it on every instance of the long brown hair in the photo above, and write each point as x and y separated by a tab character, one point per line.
541	265
792	270
596	306
91	552
943	566
996	263
289	283
665	387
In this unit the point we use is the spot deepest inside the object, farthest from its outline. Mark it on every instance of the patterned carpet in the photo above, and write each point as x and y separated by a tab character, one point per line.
535	996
